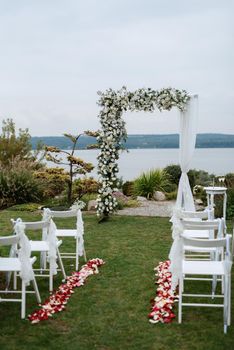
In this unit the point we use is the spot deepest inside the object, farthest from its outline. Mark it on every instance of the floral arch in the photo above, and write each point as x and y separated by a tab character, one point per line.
113	133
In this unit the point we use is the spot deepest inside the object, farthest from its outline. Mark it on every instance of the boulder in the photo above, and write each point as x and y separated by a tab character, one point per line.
159	196
119	195
141	199
91	205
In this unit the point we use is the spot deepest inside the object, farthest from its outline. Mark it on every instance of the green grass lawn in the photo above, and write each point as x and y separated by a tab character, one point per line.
110	311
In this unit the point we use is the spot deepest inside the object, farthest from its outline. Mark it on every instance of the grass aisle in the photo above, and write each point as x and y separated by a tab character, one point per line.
110	311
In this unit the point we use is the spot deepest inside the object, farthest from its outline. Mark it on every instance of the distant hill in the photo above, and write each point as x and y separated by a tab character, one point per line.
142	141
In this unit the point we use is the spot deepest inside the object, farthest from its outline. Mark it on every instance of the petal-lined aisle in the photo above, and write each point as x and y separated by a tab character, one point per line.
57	301
163	304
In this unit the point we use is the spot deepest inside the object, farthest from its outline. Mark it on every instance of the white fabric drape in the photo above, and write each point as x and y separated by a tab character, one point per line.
24	253
80	233
188	122
49	235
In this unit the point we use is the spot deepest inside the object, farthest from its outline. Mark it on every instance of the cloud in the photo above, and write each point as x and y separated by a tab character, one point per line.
57	55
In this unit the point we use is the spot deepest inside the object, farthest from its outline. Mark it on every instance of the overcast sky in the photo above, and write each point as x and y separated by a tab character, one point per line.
56	55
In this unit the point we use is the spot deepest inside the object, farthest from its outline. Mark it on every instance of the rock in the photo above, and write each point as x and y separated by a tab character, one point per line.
91	205
159	196
119	195
198	201
141	199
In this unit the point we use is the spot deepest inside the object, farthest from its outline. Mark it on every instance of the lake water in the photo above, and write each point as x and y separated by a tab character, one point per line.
218	161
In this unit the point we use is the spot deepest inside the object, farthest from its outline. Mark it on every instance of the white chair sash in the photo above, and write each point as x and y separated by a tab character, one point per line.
176	252
80	232
24	253
228	256
50	237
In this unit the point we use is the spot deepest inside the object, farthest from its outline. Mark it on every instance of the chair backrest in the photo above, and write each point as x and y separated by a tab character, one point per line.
9	240
201	225
207	243
207	214
64	213
76	212
33	225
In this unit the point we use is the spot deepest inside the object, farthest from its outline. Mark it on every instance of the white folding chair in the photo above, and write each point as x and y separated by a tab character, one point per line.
207	214
77	233
19	262
209	268
208	229
215	228
48	245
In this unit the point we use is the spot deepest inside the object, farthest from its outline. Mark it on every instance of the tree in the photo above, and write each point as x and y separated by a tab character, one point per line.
13	146
16	147
75	165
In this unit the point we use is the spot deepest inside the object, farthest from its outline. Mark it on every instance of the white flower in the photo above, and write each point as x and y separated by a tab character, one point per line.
113	104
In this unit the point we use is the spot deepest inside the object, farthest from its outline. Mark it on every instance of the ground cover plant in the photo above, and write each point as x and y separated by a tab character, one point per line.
110	311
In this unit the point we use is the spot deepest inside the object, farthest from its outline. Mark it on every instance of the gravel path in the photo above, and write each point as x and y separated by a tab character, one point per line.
150	208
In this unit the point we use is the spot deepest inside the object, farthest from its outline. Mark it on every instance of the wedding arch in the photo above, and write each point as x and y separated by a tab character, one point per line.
113	133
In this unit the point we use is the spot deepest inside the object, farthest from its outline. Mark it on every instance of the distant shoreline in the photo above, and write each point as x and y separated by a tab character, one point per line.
170	141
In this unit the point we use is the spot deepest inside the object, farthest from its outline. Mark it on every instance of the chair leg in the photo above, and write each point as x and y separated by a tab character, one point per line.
23	300
77	254
180	300
229	302
50	279
222	284
15	281
226	304
61	265
214	285
34	282
43	261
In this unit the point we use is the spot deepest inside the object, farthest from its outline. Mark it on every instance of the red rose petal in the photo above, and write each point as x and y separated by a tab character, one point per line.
57	301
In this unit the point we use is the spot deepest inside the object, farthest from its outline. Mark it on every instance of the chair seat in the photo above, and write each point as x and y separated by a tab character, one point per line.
196	233
66	233
12	264
41	246
203	267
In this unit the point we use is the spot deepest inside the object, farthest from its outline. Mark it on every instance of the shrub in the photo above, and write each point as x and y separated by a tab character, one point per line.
200	193
174	171
230	203
128	188
120	204
25	207
171	195
18	186
196	177
200	177
171	187
53	181
229	180
84	186
132	203
147	183
203	178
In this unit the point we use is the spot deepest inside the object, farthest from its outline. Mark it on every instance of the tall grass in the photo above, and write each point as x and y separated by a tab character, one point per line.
153	180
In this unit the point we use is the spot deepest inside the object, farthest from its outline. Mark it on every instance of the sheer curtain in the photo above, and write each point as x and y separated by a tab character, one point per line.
188	122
